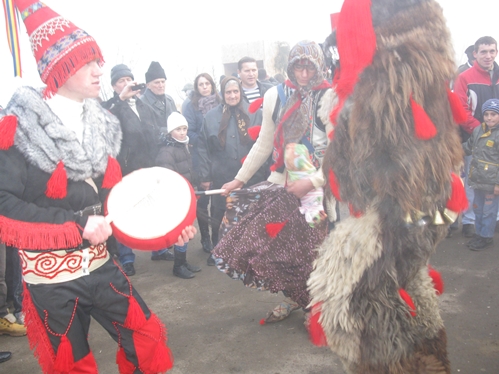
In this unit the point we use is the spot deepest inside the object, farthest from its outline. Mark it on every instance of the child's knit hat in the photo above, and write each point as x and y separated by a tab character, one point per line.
492	104
175	120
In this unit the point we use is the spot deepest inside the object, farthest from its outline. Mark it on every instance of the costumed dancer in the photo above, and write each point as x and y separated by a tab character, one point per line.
58	151
393	150
267	241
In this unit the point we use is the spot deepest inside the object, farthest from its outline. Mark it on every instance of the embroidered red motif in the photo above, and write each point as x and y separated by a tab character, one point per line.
51	264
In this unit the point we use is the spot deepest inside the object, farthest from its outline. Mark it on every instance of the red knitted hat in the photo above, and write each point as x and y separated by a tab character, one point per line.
60	48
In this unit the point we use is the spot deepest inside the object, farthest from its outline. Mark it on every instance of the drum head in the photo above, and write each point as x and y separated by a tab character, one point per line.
150	207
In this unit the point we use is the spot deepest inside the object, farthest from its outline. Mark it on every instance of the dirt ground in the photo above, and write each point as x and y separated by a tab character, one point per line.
213	321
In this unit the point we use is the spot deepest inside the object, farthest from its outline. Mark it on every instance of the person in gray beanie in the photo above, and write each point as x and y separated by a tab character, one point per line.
155	96
120	71
483	146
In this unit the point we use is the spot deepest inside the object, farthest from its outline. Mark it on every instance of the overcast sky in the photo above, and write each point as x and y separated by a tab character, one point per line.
186	36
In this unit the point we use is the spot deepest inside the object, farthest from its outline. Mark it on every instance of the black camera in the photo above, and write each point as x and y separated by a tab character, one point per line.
138	87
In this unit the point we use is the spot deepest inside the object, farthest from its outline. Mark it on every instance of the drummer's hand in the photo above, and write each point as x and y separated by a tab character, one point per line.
97	230
205	185
229	187
187	233
300	187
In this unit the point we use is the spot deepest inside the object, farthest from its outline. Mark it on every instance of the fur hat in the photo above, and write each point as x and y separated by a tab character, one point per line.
155	71
492	104
175	120
120	71
60	48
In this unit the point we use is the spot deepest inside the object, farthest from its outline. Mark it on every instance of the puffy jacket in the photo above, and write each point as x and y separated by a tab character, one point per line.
483	145
176	156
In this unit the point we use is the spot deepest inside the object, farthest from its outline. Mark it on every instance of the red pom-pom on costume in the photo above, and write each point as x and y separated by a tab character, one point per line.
274	228
64	360
124	365
57	184
438	282
262	321
254	131
333	184
408	300
255	105
315	330
8	127
353	212
135	317
243	159
423	126
457	201
331	135
113	173
458	112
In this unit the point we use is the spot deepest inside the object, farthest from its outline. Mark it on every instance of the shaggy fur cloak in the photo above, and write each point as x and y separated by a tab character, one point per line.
378	306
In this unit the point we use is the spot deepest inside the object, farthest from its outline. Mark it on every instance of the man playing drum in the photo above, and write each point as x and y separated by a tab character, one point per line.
57	161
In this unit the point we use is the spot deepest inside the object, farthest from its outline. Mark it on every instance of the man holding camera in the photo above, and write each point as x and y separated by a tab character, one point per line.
140	143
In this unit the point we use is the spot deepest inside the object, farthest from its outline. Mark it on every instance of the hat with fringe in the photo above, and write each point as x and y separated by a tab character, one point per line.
60	48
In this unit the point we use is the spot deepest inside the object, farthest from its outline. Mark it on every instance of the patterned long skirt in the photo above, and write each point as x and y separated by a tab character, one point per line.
250	252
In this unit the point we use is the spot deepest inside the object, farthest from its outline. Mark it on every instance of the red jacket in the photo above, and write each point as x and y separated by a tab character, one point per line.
474	87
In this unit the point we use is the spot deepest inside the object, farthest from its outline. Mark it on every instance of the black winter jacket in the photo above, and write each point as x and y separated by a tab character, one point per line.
175	156
140	143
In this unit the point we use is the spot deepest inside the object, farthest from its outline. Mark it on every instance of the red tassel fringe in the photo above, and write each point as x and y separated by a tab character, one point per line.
64	360
113	173
458	112
315	330
162	360
124	366
408	300
273	229
57	184
438	282
8	127
255	105
254	131
135	317
423	126
333	184
457	201
37	334
35	235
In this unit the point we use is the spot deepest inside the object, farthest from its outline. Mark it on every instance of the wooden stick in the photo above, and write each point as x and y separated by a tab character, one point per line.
210	192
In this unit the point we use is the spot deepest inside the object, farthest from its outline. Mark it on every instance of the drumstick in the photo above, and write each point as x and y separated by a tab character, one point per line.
210	192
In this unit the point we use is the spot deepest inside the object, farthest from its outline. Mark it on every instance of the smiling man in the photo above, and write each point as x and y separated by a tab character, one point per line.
58	161
248	73
474	87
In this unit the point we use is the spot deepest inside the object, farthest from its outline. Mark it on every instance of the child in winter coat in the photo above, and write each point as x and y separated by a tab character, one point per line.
174	154
483	145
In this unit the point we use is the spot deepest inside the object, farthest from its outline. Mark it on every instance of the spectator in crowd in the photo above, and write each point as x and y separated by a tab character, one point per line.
175	155
474	87
248	73
8	322
139	146
224	143
204	98
483	147
265	78
155	95
471	59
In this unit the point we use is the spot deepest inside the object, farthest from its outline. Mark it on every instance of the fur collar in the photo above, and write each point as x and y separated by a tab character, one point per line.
44	140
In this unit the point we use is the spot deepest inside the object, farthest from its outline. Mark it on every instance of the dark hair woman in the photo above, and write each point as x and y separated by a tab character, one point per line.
204	98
